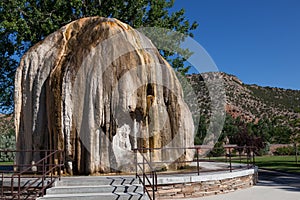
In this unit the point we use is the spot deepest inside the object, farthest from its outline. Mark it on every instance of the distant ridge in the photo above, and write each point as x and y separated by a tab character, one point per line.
249	102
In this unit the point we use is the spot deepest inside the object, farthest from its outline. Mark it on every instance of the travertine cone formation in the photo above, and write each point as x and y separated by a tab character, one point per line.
96	89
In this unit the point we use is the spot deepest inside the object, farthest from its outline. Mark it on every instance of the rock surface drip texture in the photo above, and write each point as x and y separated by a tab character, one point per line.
97	89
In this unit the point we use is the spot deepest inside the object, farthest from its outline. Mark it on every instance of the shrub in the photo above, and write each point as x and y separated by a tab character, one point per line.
217	151
285	151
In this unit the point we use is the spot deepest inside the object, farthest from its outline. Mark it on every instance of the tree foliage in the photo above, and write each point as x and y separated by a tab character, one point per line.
26	22
7	133
258	134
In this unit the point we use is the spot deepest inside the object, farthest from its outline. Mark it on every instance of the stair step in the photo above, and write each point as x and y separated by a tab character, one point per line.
79	181
95	189
95	196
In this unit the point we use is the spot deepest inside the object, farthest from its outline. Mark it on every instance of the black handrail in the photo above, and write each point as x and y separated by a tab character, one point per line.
229	158
144	178
45	174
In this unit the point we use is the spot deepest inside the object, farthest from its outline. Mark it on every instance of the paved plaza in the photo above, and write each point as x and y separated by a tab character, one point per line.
271	186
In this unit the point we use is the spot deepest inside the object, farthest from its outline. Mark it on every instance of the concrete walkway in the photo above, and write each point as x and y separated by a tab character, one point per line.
271	186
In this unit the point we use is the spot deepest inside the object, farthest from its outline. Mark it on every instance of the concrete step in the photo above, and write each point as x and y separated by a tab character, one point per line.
99	180
95	189
95	196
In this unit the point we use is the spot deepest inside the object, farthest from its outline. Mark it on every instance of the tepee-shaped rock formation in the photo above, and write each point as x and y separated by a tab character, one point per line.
97	89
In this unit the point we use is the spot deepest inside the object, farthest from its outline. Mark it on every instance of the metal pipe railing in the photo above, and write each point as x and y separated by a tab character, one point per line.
229	158
145	179
46	169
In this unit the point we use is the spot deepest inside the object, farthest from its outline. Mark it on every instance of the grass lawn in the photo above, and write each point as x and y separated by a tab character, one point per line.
6	163
281	163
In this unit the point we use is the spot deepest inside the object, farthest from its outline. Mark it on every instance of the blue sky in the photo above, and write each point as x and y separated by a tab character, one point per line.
256	40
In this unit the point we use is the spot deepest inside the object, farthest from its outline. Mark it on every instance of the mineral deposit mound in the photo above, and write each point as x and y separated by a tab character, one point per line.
97	89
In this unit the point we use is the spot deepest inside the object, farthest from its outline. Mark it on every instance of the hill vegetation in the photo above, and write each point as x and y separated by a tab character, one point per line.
255	115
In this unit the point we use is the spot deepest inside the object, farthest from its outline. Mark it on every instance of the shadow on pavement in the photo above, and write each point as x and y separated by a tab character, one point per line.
286	181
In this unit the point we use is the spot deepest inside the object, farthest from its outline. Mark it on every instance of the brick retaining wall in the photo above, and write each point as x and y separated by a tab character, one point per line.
206	187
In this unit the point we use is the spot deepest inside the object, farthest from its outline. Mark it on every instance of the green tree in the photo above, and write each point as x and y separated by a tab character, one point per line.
7	132
281	134
243	134
201	131
26	22
230	128
261	129
295	136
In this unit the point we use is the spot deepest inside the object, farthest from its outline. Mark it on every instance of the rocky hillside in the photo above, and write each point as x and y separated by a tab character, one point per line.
249	102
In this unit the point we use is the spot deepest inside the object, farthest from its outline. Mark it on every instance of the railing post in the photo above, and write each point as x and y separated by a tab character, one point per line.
46	157
2	190
51	165
253	155
136	163
230	163
51	176
153	187
59	163
43	176
150	157
226	154
248	156
144	172
12	185
156	181
198	164
19	186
